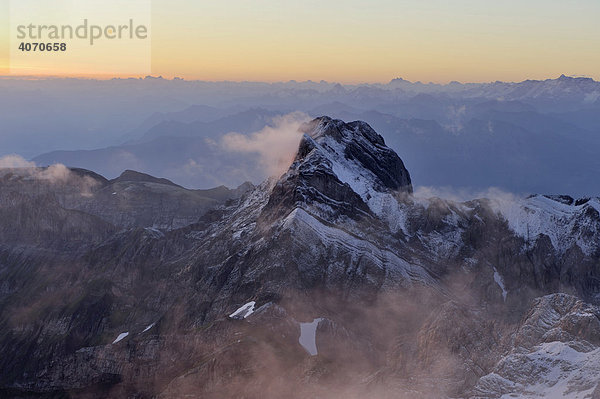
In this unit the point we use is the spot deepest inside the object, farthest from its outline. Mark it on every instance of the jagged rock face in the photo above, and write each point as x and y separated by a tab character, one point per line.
455	342
555	353
418	297
559	317
345	167
313	182
364	147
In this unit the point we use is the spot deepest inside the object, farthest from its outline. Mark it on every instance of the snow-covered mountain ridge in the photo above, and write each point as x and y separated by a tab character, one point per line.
415	297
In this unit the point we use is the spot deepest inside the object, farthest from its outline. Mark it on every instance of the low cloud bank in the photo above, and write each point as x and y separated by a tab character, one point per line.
53	174
464	194
15	161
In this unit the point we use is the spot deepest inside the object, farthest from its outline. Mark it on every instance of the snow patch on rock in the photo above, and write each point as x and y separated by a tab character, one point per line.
308	336
244	311
120	337
500	281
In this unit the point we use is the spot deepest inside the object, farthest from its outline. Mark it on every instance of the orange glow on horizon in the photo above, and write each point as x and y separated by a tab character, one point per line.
354	42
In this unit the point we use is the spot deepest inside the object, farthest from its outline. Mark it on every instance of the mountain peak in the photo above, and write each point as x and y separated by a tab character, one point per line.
341	131
133	176
343	167
356	147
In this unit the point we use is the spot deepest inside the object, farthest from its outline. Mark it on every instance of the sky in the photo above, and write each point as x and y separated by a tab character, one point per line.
354	41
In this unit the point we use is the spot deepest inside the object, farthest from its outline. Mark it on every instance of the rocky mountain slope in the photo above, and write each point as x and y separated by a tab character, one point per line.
332	280
131	200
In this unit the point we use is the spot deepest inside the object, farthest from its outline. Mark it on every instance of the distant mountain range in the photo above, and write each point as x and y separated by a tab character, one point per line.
528	137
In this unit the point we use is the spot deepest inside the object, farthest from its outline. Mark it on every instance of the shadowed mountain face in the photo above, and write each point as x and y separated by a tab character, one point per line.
332	280
132	200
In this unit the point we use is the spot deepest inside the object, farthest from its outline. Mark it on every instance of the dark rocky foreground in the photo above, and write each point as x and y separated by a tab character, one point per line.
416	297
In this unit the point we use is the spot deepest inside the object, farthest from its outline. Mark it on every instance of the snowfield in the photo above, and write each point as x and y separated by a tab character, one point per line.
565	224
308	336
498	279
551	370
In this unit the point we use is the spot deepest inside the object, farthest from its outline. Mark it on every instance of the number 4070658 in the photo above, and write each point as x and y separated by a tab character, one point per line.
43	46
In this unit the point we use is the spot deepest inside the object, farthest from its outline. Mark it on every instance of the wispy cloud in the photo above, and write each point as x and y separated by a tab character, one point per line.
15	161
275	145
463	194
53	174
